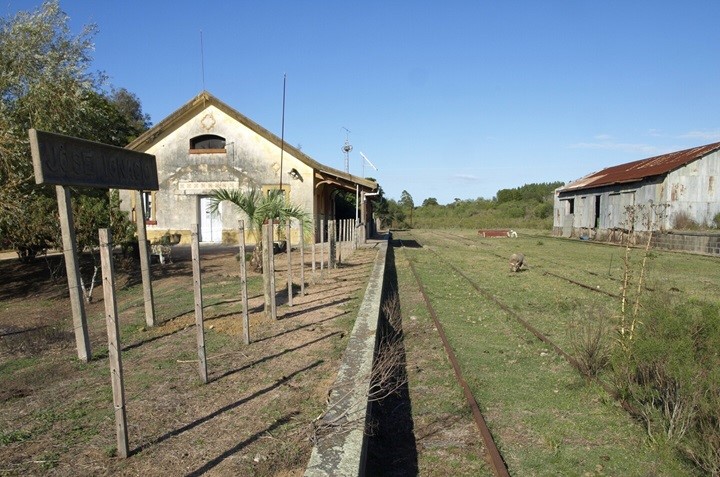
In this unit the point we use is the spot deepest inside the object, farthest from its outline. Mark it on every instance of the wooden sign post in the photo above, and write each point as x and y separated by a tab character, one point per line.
72	269
69	161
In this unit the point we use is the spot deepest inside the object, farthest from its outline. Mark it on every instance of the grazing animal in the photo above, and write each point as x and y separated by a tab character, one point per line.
516	261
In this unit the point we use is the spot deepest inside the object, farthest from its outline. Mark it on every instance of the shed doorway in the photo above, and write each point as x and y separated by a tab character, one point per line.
210	223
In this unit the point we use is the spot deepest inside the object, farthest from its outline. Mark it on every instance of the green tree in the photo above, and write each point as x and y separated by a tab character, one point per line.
430	201
259	209
406	202
45	84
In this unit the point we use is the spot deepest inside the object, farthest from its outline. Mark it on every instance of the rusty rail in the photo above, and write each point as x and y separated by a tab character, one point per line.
539	335
494	457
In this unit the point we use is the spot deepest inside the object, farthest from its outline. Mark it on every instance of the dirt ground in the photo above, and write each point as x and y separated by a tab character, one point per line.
252	418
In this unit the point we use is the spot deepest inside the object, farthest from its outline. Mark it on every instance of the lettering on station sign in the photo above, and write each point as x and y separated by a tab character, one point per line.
66	160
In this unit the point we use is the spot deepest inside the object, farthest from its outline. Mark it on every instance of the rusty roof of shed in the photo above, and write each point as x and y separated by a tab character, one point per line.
638	170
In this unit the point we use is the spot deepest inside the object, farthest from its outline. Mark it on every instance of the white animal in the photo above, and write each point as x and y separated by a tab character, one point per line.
516	261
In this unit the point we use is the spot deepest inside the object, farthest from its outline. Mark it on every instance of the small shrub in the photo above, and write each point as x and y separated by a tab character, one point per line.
591	347
683	221
716	221
669	372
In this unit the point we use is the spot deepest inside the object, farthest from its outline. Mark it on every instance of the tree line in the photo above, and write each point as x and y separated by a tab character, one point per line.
527	206
46	83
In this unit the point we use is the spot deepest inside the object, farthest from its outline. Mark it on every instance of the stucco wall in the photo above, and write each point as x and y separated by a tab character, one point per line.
249	161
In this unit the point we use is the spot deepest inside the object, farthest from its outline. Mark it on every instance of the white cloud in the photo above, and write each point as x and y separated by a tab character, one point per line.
705	135
614	146
466	177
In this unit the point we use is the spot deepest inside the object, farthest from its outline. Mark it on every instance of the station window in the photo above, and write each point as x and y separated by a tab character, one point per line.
148	207
207	144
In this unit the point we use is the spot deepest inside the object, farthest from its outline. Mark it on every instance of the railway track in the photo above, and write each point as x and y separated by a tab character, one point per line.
494	457
549	262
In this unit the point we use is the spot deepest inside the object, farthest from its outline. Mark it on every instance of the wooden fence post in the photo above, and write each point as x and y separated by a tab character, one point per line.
266	251
338	241
322	243
332	257
301	224
288	246
243	283
197	286
312	253
114	349
271	303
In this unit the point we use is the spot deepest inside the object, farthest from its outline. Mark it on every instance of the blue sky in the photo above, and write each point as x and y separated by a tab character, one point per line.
449	99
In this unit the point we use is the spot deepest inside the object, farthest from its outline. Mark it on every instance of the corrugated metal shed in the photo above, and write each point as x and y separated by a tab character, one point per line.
642	169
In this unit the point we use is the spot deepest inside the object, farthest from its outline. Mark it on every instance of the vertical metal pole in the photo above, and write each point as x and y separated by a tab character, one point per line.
243	283
282	133
72	269
197	286
144	260
114	349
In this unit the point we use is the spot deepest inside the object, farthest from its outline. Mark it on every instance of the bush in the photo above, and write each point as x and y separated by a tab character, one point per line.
683	221
670	371
591	346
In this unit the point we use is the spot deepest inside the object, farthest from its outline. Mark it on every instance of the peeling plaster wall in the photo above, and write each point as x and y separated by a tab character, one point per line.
249	161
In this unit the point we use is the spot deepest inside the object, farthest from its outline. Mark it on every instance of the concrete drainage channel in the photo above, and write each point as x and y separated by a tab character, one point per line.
341	442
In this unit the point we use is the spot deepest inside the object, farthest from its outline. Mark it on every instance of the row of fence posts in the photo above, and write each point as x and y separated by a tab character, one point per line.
341	235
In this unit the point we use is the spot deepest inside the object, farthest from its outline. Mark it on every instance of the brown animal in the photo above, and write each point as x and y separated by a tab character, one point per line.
516	261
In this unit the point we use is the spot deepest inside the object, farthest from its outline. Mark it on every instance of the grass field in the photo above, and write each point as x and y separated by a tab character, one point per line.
252	418
546	417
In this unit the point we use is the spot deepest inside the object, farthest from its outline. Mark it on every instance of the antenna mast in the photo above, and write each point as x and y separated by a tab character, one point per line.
282	132
347	147
202	60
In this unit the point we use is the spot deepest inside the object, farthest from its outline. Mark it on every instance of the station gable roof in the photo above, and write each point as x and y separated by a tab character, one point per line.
204	99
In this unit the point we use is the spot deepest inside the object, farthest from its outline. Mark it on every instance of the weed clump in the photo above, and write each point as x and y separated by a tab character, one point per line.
592	347
669	374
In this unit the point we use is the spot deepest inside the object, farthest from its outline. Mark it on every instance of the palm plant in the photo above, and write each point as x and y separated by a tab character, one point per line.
259	209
